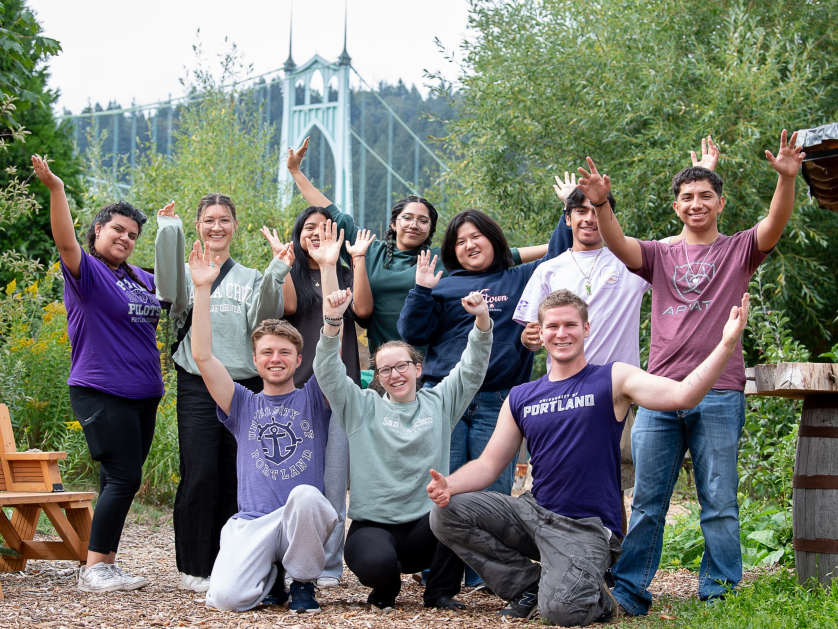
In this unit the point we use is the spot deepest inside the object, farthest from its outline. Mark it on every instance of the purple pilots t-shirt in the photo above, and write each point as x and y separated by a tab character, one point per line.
574	439
112	323
281	444
691	301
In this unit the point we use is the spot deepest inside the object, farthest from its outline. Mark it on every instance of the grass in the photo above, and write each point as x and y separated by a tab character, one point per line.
773	600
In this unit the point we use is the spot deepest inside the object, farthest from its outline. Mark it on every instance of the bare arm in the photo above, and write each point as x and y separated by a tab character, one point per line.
482	472
531	254
326	256
218	381
362	303
312	195
60	218
596	187
787	164
633	385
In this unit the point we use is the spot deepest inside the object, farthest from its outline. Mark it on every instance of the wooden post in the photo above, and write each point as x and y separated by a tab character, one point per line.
815	483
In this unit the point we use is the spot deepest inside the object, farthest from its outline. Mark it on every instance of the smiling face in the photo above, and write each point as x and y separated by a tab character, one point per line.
583	223
276	360
311	230
563	333
115	239
474	251
401	387
412	226
216	228
698	206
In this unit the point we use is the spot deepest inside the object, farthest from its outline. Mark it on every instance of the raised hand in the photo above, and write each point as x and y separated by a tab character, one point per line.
789	158
709	154
204	269
335	304
47	177
169	210
475	304
274	241
295	158
564	188
330	243
593	185
738	320
425	270
438	490
530	337
362	242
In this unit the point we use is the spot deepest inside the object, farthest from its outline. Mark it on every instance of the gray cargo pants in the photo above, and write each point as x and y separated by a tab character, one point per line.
502	537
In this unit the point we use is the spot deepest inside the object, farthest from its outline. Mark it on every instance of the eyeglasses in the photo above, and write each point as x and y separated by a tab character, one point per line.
400	367
422	223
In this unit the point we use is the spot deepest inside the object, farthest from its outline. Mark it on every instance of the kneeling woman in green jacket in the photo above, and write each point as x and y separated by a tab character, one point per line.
393	442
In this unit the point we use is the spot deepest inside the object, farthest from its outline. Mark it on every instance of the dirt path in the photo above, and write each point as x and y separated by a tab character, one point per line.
45	596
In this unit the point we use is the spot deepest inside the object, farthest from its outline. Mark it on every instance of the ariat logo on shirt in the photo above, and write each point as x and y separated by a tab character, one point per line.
557	405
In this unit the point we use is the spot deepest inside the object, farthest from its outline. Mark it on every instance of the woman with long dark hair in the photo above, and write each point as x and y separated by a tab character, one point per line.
243	298
115	379
305	293
476	255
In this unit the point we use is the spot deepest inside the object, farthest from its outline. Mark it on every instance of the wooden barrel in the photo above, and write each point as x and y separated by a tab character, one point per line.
816	490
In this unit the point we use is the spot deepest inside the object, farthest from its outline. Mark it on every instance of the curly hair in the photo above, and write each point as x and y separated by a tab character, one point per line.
103	217
390	236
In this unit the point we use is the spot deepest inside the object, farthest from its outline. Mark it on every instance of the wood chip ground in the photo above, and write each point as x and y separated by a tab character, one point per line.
45	595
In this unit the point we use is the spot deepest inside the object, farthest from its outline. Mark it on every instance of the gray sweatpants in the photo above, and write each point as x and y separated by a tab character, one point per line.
293	536
336	482
502	538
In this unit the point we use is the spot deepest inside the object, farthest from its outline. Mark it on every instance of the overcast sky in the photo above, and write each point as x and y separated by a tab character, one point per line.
117	50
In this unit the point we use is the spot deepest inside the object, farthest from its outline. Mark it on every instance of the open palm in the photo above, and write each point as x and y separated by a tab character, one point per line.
789	158
204	270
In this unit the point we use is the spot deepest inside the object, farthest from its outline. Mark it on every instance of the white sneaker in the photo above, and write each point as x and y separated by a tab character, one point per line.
196	584
324	583
128	582
99	578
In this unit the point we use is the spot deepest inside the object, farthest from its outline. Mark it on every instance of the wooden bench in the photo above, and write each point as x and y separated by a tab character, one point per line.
30	483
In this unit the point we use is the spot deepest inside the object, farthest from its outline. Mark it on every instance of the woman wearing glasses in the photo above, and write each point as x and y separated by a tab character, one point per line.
206	493
390	265
393	442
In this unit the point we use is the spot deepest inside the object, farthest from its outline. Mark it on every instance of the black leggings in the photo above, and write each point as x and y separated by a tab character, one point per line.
378	554
119	432
206	493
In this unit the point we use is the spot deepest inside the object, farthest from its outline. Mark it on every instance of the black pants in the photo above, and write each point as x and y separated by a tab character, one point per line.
206	494
119	432
378	554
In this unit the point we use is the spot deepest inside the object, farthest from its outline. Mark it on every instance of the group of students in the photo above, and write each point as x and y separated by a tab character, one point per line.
272	434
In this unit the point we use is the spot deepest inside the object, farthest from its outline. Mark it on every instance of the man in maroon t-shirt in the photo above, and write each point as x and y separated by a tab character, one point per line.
696	277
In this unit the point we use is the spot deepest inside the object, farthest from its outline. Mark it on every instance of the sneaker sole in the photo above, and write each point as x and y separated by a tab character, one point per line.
85	588
304	611
200	590
130	587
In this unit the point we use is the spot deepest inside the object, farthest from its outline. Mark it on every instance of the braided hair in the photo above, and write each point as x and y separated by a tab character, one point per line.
103	217
390	236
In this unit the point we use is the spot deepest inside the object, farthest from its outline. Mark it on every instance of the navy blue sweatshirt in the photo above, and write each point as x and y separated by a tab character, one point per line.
436	318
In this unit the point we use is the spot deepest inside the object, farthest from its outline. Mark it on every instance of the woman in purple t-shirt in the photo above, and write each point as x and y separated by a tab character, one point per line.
115	380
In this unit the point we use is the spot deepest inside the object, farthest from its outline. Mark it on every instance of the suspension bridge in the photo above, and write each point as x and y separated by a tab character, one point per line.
363	174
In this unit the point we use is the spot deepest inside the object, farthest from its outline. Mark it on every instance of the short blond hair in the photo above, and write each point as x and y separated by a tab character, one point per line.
560	298
277	327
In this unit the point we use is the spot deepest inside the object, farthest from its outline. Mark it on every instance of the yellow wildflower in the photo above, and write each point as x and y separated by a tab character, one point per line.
32	289
72	425
11	286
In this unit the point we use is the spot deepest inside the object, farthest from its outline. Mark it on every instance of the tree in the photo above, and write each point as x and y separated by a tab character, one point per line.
23	76
635	86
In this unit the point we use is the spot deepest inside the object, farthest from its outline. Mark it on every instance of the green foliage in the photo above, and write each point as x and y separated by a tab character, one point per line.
635	86
765	537
773	600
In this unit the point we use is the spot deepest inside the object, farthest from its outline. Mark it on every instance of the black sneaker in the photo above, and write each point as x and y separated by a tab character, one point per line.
302	598
385	597
446	602
522	606
278	594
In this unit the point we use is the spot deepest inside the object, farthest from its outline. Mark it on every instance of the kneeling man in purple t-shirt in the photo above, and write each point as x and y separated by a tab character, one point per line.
572	419
284	519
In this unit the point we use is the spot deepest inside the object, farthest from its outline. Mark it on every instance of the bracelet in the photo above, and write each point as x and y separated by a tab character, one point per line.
600	204
359	255
335	323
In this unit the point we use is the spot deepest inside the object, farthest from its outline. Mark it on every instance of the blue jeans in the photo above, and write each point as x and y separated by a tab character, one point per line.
659	441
